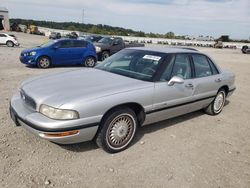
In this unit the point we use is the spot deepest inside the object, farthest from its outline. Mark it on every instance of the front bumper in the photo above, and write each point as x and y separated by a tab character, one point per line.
42	126
28	60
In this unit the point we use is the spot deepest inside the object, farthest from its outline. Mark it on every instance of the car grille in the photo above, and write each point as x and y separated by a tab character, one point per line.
28	100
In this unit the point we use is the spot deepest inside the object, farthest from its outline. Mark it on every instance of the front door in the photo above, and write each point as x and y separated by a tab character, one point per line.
63	52
173	100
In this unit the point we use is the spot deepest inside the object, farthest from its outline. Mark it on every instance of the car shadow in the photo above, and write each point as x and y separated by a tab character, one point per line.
88	146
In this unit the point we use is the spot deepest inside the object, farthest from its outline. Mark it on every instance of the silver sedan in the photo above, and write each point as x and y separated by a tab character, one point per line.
135	87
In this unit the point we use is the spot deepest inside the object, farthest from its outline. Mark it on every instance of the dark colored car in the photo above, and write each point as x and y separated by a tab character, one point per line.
108	46
245	49
55	35
61	52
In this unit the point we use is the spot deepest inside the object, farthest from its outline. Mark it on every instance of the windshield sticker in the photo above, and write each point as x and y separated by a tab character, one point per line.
152	57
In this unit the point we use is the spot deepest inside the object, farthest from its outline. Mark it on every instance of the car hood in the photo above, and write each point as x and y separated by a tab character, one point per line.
102	45
31	49
84	84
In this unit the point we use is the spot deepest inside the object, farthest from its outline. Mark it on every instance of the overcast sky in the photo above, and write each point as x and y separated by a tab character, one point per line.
191	17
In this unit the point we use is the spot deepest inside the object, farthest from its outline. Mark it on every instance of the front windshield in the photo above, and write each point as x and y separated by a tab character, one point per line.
106	40
138	64
47	44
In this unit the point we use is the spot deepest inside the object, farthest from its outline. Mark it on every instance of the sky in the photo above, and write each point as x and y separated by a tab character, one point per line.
183	17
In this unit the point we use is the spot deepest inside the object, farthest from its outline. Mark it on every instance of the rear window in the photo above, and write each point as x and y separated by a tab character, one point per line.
202	66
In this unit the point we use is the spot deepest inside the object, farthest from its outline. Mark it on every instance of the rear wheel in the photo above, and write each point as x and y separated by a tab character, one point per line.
218	103
117	130
90	62
10	44
43	62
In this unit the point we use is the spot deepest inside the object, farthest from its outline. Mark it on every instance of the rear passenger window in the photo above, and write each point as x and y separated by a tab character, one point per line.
201	65
65	44
80	44
214	69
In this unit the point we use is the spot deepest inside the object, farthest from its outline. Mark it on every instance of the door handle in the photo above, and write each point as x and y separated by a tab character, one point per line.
189	86
218	80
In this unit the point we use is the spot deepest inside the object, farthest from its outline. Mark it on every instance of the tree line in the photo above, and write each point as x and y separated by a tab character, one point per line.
91	28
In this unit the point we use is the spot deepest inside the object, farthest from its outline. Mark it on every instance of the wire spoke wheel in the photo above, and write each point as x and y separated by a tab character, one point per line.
219	102
121	130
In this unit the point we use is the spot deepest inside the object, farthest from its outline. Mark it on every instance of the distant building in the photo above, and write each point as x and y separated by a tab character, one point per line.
4	19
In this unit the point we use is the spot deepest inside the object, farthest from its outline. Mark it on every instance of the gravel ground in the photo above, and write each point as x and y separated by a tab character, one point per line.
195	150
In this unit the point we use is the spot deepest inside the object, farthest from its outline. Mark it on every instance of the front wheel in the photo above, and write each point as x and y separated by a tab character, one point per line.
10	44
117	130
105	55
43	62
90	62
218	103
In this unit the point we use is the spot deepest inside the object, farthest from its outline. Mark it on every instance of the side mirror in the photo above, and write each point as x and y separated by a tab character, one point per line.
175	80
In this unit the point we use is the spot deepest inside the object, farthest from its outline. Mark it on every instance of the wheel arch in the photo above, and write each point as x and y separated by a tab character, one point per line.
10	41
136	107
39	56
90	55
226	88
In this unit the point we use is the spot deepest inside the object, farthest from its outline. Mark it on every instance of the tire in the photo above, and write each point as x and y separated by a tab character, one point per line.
90	62
43	62
10	44
218	103
117	131
105	55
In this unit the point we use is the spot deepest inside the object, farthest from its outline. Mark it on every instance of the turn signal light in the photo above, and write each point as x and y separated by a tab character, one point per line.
63	134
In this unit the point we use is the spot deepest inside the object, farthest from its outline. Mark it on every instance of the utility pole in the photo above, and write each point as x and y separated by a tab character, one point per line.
82	16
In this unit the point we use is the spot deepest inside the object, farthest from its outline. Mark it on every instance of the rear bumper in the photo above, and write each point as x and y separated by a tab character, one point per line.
42	126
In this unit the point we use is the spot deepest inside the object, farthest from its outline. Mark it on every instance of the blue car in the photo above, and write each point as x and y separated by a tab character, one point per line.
61	52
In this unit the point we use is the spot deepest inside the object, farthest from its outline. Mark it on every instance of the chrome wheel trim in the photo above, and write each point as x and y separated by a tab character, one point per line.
121	131
105	55
219	102
44	62
90	62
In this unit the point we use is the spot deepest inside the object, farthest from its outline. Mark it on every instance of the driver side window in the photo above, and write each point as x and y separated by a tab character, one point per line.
179	66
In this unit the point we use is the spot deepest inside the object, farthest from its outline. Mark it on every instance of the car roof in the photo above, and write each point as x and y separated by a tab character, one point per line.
168	49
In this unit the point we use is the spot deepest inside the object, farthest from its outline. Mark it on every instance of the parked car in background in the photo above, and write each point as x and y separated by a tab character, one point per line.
72	35
135	87
245	49
61	52
108	46
8	39
93	38
55	35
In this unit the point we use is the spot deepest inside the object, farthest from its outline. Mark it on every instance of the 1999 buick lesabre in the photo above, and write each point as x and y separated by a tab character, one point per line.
135	87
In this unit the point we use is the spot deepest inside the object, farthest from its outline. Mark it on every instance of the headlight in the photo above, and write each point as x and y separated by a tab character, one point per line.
98	49
59	114
32	53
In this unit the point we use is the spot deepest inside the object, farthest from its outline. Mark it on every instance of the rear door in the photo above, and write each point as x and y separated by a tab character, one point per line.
207	79
78	50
